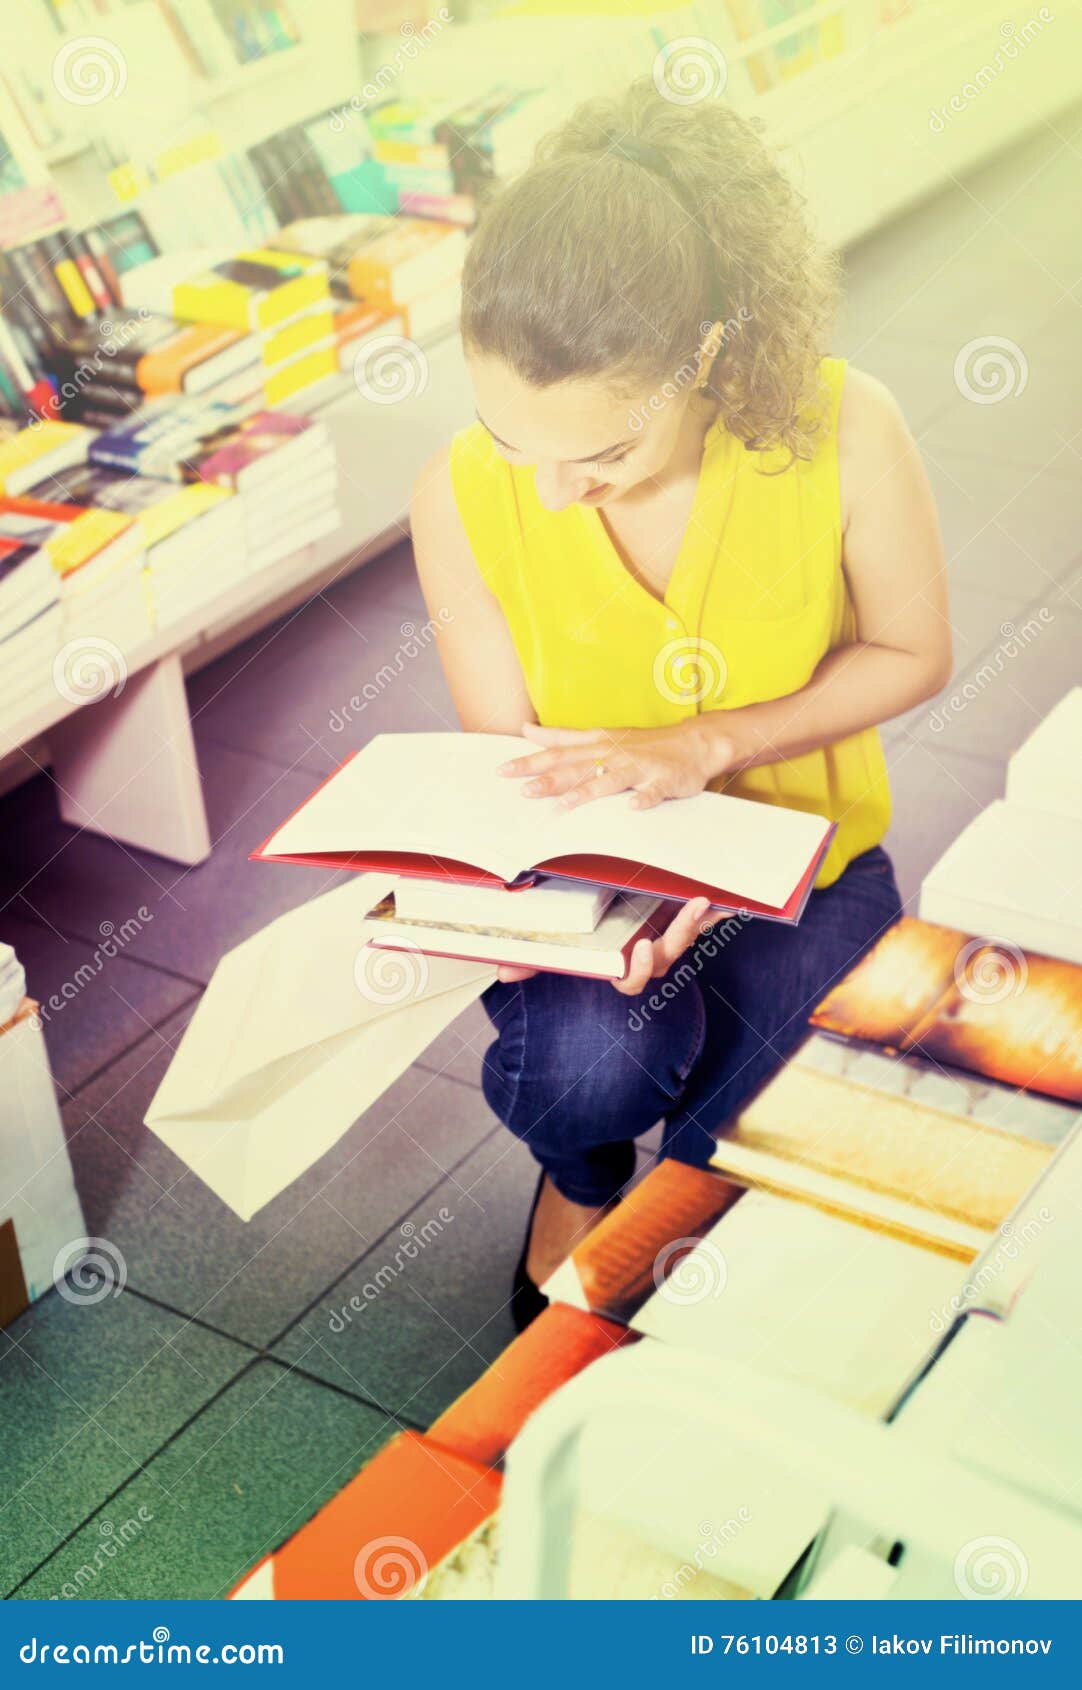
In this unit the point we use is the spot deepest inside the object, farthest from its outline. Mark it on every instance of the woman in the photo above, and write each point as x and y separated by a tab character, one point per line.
679	549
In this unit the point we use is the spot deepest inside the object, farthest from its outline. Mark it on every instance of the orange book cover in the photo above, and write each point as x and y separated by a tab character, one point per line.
986	1006
373	270
637	1245
485	1420
410	1507
164	370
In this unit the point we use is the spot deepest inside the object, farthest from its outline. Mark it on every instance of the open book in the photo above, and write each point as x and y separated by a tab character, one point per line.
434	805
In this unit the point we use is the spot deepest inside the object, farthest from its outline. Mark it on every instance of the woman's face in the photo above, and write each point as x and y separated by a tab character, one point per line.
585	446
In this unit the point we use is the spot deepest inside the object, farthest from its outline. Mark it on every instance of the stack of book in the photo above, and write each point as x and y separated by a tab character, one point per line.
441	158
402	275
111	367
30	614
282	298
285	470
164	437
33	454
193	536
337	241
98	555
1012	874
412	269
321	166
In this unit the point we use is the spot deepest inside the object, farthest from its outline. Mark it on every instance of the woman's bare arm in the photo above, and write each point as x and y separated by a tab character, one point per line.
893	560
474	642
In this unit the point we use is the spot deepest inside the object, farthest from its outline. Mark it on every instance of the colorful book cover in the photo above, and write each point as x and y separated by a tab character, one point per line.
987	1007
247	442
484	1421
161	437
376	1540
625	1259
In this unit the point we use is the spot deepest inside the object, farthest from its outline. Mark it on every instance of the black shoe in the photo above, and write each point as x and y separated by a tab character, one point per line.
527	1300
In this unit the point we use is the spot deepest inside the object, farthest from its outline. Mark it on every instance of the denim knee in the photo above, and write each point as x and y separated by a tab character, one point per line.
576	1064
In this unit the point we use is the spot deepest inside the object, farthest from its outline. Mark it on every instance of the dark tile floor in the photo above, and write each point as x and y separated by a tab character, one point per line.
221	1397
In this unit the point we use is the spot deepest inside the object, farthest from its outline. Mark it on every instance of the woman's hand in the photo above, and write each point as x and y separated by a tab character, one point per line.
651	958
650	763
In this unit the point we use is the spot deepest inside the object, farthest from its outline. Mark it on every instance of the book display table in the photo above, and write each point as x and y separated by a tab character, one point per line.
125	765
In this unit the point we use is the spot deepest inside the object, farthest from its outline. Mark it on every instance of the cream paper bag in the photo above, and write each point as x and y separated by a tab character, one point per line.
301	1029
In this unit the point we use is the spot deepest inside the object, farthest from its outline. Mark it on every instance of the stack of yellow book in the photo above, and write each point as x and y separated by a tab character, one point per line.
285	299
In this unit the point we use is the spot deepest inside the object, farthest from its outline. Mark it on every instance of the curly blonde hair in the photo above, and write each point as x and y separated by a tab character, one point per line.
610	263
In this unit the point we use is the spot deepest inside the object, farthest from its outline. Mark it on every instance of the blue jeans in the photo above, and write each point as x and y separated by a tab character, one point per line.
579	1071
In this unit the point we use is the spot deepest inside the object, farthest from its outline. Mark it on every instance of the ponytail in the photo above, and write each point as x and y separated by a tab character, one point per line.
641	223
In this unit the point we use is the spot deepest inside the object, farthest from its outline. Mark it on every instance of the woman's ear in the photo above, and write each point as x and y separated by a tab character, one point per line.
709	347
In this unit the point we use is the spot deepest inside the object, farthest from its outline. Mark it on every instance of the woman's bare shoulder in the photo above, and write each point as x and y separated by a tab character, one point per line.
873	435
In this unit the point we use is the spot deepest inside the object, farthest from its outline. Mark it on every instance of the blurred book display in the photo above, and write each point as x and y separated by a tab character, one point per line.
285	470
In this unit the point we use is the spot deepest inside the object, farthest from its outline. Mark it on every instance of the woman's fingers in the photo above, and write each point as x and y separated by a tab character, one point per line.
682	932
507	975
534	763
640	970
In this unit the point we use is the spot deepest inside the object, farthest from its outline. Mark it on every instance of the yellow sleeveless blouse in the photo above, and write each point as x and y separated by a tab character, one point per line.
756	599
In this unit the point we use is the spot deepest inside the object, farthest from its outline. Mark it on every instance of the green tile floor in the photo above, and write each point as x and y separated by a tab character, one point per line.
158	1441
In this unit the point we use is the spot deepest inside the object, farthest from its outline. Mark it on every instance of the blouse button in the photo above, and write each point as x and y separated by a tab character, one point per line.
671	623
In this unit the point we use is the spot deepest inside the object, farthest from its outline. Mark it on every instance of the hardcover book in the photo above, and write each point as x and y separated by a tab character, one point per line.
435	805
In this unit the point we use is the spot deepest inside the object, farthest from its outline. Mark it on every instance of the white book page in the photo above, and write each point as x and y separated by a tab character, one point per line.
755	851
436	793
787	1289
440	793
